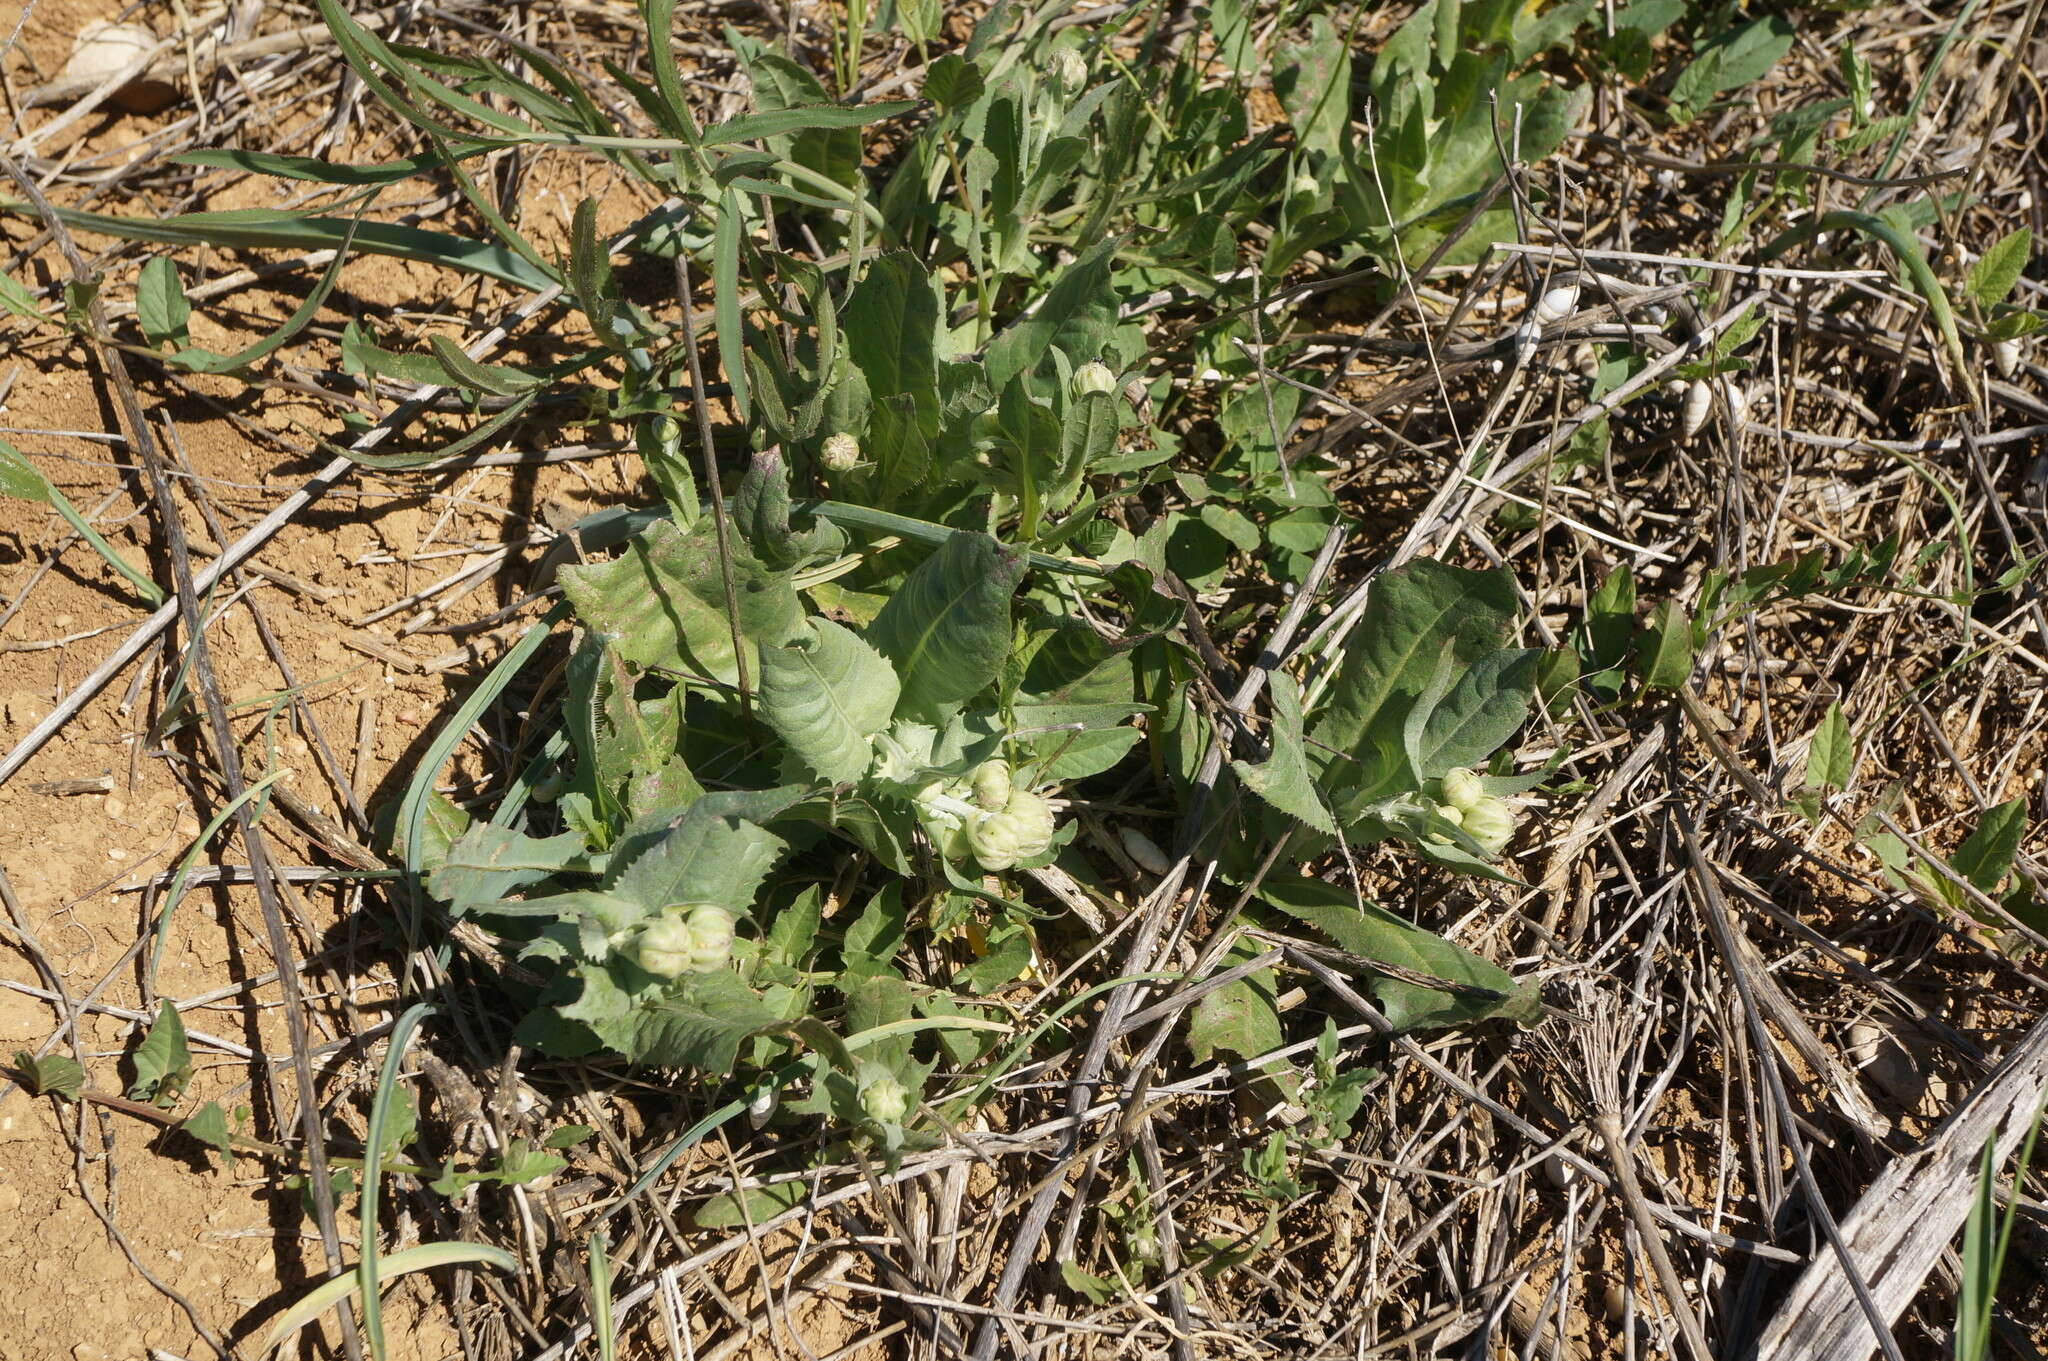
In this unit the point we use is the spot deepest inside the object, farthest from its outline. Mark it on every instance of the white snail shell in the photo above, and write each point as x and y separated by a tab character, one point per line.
1699	403
2005	357
1557	304
1738	406
1143	851
102	49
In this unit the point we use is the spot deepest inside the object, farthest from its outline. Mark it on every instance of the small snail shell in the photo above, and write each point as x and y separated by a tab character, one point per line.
102	49
1699	403
2005	357
1557	304
1143	851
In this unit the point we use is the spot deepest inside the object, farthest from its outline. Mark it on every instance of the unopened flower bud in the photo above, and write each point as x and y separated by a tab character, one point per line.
1068	71
885	1099
1093	376
1022	831
842	452
992	786
1491	823
1462	789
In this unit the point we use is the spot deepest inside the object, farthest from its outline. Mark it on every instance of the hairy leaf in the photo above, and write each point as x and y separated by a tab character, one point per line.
488	862
947	628
1241	1017
1416	616
1373	933
1285	779
825	696
662	601
714	853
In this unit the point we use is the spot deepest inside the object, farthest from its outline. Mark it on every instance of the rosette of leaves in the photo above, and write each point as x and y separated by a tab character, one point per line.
736	758
1424	687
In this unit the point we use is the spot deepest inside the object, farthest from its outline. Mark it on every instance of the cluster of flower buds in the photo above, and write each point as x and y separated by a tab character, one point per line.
1466	805
987	816
687	938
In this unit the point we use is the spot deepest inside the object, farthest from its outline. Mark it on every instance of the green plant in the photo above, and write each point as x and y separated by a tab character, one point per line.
818	714
1987	1234
23	481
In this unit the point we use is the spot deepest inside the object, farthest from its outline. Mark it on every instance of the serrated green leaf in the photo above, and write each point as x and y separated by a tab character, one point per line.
825	696
1831	756
952	81
1285	779
703	1028
1373	933
1992	278
661	602
51	1075
163	1061
1241	1017
716	852
878	933
946	630
1986	856
794	932
487	862
161	308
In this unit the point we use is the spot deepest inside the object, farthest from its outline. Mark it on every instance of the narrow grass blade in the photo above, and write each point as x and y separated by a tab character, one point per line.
21	479
425	1257
367	1270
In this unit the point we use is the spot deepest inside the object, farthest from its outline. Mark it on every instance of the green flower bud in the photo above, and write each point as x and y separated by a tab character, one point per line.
841	452
1491	823
885	1099
686	939
943	811
665	947
1068	71
1022	831
1462	789
1093	376
992	786
1451	813
711	928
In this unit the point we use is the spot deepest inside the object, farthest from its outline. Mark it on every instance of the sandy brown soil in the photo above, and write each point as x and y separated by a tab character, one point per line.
227	1240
